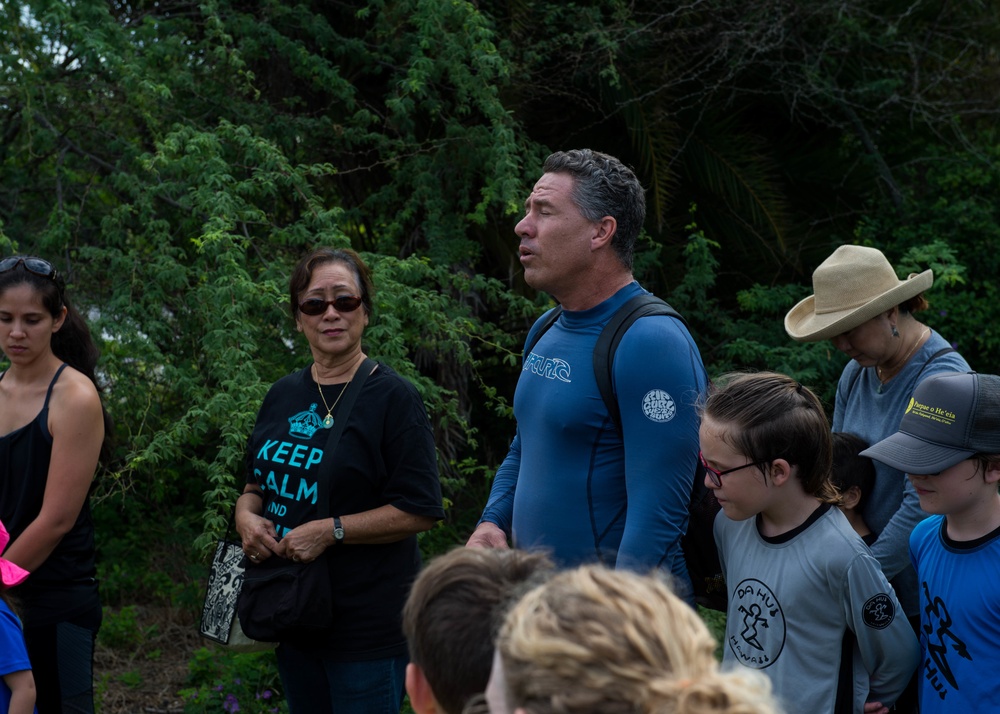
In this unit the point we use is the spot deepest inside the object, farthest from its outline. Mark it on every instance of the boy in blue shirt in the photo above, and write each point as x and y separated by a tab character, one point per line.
948	444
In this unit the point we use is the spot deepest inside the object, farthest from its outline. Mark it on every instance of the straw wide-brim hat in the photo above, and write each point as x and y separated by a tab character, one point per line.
851	287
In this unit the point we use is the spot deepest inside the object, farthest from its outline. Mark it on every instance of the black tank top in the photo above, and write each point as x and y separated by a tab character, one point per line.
24	470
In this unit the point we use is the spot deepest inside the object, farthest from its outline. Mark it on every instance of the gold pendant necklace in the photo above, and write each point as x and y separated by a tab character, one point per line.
878	369
328	419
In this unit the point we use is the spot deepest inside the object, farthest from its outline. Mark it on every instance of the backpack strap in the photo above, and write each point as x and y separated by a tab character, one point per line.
540	327
607	343
698	543
611	336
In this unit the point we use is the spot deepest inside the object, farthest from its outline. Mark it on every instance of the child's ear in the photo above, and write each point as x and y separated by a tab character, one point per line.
781	471
421	696
851	497
992	472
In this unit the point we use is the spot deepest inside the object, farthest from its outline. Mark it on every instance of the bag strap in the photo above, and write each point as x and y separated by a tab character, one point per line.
607	342
540	328
611	335
941	352
230	530
350	396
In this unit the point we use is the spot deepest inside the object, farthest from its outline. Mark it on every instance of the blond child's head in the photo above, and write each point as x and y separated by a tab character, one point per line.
594	640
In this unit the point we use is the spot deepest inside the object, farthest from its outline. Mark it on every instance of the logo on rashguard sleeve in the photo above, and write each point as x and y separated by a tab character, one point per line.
658	406
878	612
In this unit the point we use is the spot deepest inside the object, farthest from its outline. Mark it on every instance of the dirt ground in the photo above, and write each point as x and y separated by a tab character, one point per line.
147	678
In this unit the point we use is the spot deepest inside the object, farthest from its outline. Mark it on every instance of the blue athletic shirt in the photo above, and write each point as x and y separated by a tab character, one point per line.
568	483
13	652
959	624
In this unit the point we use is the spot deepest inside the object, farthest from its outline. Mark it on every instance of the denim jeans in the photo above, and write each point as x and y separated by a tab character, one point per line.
315	684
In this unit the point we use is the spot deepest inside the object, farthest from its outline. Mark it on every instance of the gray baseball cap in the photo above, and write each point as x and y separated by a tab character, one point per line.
949	418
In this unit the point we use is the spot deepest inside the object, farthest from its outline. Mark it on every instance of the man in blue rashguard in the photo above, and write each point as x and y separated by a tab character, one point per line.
571	484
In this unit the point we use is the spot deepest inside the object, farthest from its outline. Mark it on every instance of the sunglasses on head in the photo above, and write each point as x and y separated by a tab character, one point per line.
32	265
342	303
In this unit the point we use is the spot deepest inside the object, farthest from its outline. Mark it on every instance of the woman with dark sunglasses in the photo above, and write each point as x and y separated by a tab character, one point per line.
54	433
382	486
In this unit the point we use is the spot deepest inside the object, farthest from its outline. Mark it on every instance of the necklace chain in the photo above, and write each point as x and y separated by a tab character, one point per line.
913	349
328	419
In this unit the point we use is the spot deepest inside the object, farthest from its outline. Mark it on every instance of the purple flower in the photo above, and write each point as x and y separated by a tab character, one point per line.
943	313
231	704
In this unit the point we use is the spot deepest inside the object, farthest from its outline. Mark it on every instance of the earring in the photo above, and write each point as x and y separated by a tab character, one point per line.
895	332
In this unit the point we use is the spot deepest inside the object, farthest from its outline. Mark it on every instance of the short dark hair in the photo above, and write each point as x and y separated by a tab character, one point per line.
604	186
984	461
850	468
454	611
303	271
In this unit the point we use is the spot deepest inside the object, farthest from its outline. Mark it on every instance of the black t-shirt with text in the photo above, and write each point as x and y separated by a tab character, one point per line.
385	456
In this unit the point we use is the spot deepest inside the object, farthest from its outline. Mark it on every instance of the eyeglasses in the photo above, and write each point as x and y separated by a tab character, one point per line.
716	476
316	306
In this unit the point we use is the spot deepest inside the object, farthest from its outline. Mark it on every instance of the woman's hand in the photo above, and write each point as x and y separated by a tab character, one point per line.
260	539
306	542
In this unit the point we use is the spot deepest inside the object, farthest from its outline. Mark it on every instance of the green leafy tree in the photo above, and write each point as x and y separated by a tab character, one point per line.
782	121
177	159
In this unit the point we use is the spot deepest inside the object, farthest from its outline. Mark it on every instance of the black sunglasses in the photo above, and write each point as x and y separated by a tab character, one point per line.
36	266
32	265
316	306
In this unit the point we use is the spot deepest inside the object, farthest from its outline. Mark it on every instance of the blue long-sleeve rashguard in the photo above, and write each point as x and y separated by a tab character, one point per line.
569	484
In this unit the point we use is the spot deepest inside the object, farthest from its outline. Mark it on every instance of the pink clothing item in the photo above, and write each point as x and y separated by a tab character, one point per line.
11	574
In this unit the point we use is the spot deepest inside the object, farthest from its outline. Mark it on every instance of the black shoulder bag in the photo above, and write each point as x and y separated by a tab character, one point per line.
282	600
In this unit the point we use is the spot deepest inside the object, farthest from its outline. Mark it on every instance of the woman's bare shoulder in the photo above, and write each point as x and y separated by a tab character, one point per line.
74	391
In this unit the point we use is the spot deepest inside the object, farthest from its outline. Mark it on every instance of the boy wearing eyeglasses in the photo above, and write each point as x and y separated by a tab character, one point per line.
948	444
